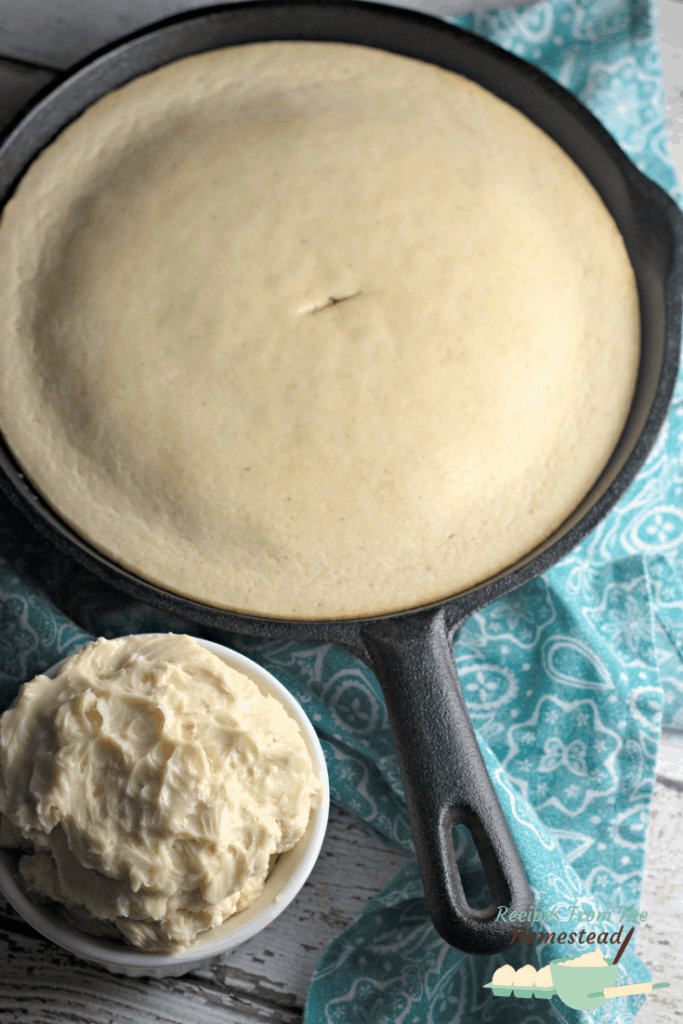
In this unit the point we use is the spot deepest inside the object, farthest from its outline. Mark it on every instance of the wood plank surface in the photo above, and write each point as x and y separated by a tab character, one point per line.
658	939
671	46
266	979
56	33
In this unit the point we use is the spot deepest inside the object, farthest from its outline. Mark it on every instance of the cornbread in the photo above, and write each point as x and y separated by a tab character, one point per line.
312	330
152	787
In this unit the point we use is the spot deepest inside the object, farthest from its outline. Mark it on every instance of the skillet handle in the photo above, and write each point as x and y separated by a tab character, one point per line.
445	781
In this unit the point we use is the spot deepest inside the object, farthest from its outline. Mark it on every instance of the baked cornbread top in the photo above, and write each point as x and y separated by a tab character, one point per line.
312	330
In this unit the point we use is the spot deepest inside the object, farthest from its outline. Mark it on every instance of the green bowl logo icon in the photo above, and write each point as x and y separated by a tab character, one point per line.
576	986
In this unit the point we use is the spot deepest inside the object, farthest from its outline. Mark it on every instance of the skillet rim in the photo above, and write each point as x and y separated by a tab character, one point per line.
652	205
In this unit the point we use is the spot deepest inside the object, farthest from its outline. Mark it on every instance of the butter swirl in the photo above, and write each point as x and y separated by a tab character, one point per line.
155	786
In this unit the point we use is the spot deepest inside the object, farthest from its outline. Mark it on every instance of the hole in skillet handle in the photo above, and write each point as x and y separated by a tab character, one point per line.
477	890
445	781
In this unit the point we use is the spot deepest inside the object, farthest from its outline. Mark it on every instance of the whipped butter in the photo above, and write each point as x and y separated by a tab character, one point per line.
151	786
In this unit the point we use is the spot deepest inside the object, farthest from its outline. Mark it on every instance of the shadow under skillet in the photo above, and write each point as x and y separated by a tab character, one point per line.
91	603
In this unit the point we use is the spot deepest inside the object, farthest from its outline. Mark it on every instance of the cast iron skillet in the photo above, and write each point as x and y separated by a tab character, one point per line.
445	780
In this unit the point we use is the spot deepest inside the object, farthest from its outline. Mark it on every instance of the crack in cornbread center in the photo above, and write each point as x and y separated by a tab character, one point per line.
464	378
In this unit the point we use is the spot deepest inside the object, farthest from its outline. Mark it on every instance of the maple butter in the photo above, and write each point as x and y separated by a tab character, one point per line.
151	787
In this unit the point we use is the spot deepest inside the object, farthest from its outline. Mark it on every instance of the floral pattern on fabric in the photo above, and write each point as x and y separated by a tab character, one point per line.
567	680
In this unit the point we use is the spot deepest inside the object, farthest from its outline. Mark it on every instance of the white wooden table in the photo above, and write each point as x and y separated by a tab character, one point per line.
266	979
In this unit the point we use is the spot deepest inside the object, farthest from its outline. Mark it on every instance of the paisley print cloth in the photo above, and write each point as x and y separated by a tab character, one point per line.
568	680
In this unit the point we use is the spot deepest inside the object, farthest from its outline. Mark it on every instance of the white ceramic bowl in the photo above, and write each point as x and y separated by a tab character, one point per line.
288	876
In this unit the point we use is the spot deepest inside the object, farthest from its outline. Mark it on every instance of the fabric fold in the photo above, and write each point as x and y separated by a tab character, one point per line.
567	680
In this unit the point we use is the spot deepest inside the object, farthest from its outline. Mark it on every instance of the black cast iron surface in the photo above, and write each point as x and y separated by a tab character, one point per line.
444	776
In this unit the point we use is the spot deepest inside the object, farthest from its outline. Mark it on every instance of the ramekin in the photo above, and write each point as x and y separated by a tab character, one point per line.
285	881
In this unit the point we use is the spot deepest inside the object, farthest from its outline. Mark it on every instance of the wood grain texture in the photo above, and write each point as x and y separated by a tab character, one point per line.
658	938
56	33
671	46
266	979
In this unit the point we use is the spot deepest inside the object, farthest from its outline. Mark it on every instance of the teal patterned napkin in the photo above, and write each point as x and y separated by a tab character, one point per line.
568	680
